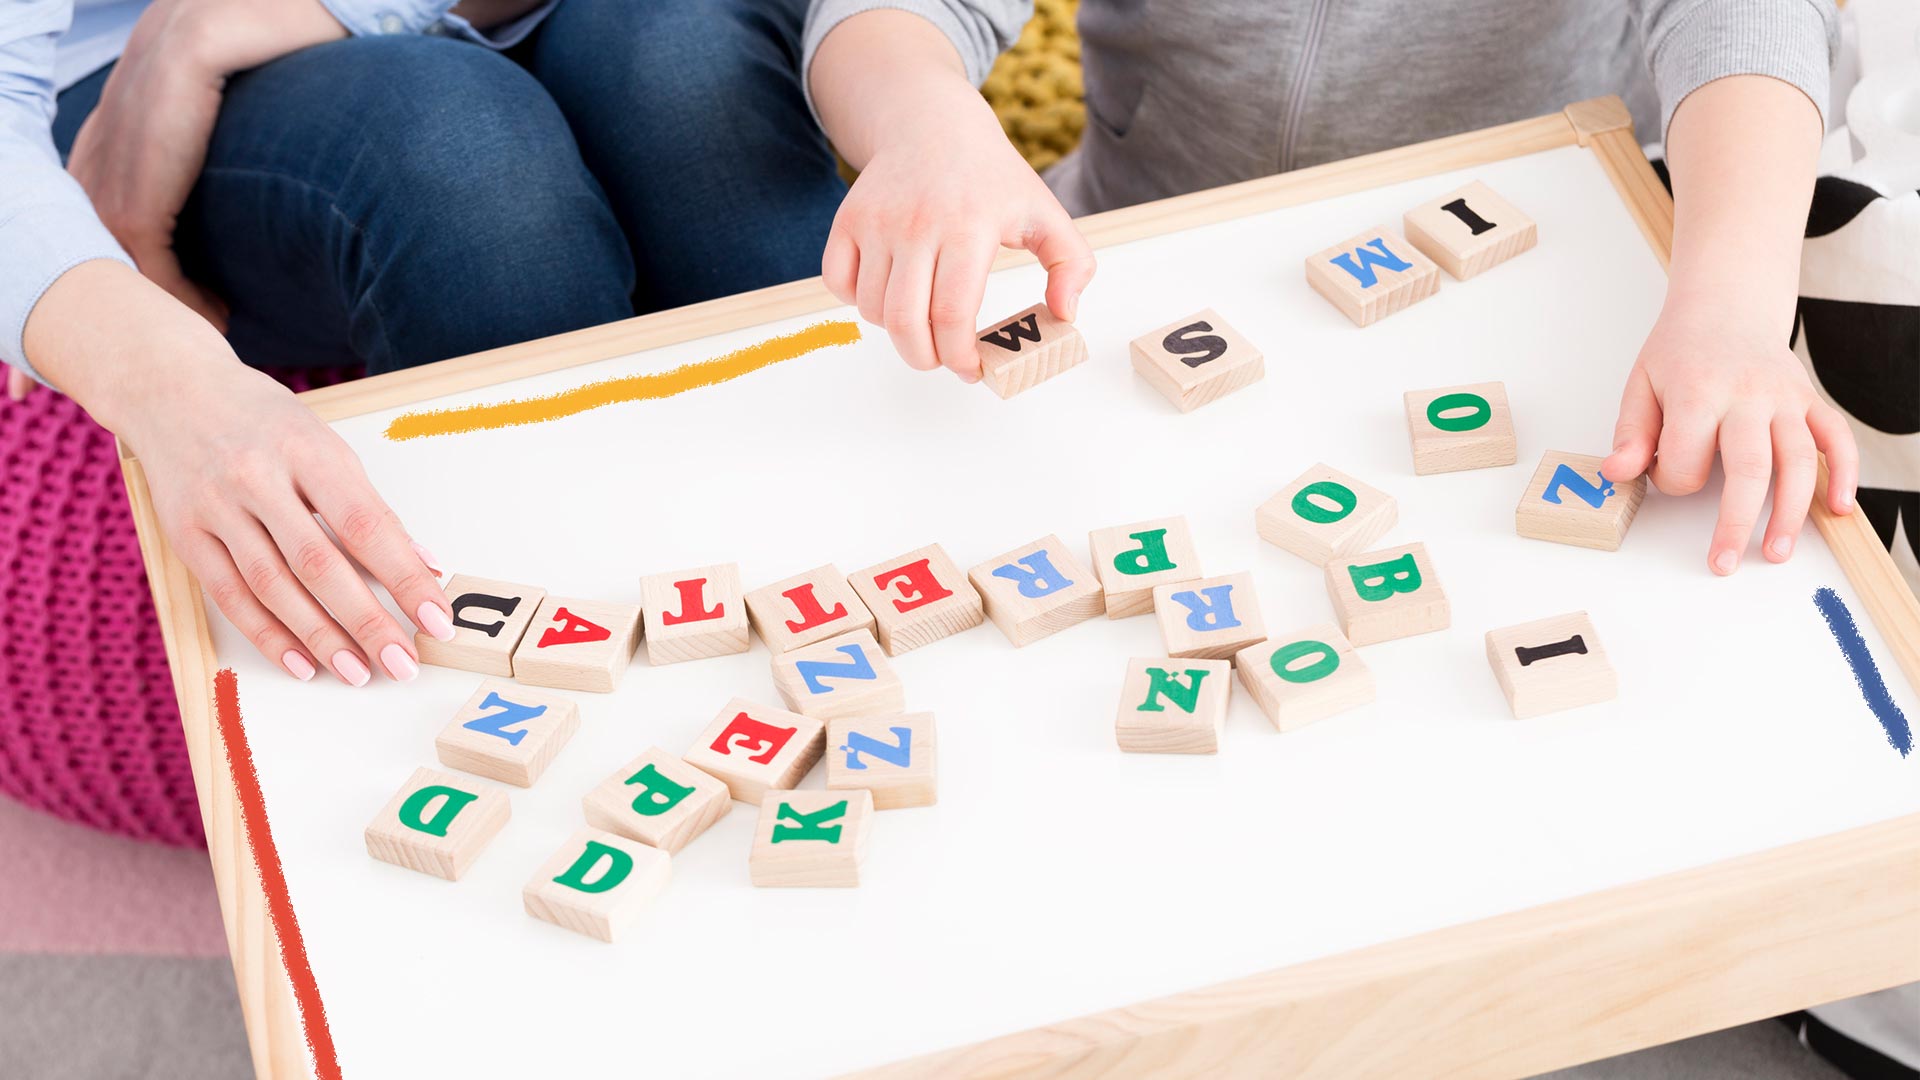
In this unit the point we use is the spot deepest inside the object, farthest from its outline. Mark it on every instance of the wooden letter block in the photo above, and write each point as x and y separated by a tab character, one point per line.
811	839
1020	353
437	824
1325	514
755	748
1173	706
507	733
597	884
891	756
1551	664
1305	676
1388	594
843	676
1196	360
488	619
1037	590
694	614
806	608
917	599
1470	230
659	800
1133	560
1372	275
578	645
1569	501
1210	619
1460	427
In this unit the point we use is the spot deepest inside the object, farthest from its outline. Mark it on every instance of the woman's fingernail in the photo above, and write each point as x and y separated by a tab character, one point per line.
1725	562
296	665
399	663
426	556
434	621
1781	547
350	669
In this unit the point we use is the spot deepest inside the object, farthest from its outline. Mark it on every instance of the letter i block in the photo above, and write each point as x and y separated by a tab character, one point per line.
1470	230
597	884
1372	275
1551	664
1388	594
1197	360
662	801
754	748
917	599
811	839
843	676
1037	590
1305	676
806	608
507	733
1210	619
437	824
891	756
578	645
694	614
1569	501
488	619
1460	427
1325	514
1170	706
1020	353
1133	560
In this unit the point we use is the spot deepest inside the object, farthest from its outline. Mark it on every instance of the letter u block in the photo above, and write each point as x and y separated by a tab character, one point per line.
1551	664
1020	353
507	732
663	802
917	599
1209	619
1570	501
1387	594
755	748
1305	676
843	676
438	824
1325	514
597	884
811	839
1173	706
1372	275
489	618
1036	590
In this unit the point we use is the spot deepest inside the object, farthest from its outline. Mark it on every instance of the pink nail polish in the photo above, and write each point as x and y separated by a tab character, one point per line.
296	665
434	621
350	669
1725	562
399	664
426	556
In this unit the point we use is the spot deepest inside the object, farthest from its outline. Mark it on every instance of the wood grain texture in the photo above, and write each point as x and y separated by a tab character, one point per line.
1133	560
1889	602
1556	506
1021	352
897	758
1173	706
659	800
1037	590
1323	676
1324	514
1450	241
1209	619
1487	446
811	839
917	599
1372	275
1551	664
1386	594
600	910
1212	360
506	744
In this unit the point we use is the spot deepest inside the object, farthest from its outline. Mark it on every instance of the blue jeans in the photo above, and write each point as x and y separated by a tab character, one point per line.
393	201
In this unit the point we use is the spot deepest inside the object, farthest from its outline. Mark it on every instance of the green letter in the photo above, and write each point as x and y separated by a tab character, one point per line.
1482	412
1340	495
1328	663
619	865
809	826
412	810
1160	683
1381	580
1150	556
657	793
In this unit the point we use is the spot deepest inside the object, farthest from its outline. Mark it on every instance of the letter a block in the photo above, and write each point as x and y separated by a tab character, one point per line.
1037	590
1460	427
488	619
660	801
811	839
917	599
507	733
1197	360
578	645
806	608
1210	619
891	756
437	824
1325	514
1551	664
1305	676
1388	594
1569	501
1372	275
1170	706
597	884
1470	230
1020	353
694	614
754	748
843	676
1133	560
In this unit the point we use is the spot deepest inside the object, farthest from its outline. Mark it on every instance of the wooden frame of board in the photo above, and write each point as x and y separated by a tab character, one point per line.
1512	995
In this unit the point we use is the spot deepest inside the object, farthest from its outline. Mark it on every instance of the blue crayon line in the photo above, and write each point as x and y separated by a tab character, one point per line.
1865	671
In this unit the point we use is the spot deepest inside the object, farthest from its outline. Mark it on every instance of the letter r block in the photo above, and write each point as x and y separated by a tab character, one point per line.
508	732
917	599
1173	706
438	823
1382	595
488	619
1133	560
755	748
663	802
1196	360
1020	353
1372	275
1551	664
1569	501
1325	514
1036	590
1209	619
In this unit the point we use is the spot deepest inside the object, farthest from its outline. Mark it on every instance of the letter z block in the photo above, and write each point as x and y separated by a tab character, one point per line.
1551	664
891	756
507	733
1460	427
694	614
488	619
1304	676
437	824
754	748
1372	275
1037	590
1198	360
811	839
806	608
1469	231
1388	594
1170	706
1325	514
1133	560
1569	501
597	884
843	676
578	645
917	599
1209	619
1020	353
661	801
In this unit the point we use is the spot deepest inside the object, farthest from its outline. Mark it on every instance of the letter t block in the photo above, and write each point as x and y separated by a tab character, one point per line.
693	614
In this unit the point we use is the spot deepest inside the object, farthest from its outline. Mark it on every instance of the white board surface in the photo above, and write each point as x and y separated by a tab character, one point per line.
1058	876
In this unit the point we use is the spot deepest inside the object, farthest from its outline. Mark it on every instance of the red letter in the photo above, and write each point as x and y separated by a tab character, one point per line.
809	608
692	604
576	631
918	587
762	742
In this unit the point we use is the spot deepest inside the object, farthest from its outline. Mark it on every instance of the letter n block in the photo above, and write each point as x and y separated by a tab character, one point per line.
843	676
1470	230
597	884
507	732
892	756
755	748
1172	706
1020	353
578	645
1209	619
1551	664
917	599
1036	590
437	824
694	614
662	801
1197	360
1387	594
806	608
811	839
1325	514
1304	676
488	619
1372	275
1460	427
1133	560
1569	501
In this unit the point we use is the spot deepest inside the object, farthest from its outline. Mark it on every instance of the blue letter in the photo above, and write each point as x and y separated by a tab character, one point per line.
1213	613
1035	575
812	671
1380	255
1565	477
496	724
899	756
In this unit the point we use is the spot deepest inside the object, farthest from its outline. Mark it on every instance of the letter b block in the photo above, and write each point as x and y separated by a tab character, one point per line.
753	748
1133	560
1551	664
1020	353
507	733
1388	594
1324	514
1460	427
1305	676
437	824
1209	619
1569	501
488	619
917	599
1170	706
811	839
662	801
597	884
1372	275
1196	360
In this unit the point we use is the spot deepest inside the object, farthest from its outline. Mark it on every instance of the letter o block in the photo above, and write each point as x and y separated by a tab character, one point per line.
1460	427
1325	514
1387	594
1305	676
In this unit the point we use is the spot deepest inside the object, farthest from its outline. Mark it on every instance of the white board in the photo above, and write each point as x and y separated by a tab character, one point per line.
1057	876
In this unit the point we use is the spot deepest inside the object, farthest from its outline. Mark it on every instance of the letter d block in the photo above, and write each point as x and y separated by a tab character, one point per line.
1037	590
1325	514
1388	594
662	801
917	599
1133	560
507	732
1209	619
597	884
1372	275
1569	501
811	839
1551	664
1020	353
488	619
1198	360
1460	427
843	676
1304	676
754	748
437	824
1171	706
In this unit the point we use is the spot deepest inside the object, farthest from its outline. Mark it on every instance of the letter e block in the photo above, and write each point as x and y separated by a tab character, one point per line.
1325	514
1388	594
811	839
1569	501
1305	676
891	756
1460	427
578	645
660	800
1209	619
1372	275
488	619
1550	665
1170	706
1037	590
806	608
1020	353
1469	231
1133	560
843	676
1196	360
597	884
507	733
917	599
754	748
437	824
694	614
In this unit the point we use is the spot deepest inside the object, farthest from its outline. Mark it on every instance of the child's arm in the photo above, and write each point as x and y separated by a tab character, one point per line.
1717	370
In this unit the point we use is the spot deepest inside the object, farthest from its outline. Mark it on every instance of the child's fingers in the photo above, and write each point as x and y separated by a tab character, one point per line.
1793	468
1637	432
959	284
870	289
1746	456
904	313
1684	459
840	266
1057	243
326	573
1834	436
215	569
372	534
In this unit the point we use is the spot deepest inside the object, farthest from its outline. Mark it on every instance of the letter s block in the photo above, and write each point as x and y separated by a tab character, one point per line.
1382	595
1197	360
438	823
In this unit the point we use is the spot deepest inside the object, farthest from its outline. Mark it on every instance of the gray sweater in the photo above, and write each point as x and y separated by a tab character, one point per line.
1191	94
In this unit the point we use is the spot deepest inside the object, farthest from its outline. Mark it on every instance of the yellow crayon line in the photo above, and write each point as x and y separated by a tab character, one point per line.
593	395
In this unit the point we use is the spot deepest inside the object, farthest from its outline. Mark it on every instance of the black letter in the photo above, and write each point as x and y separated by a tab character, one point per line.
1009	336
1458	208
1215	347
1528	654
501	604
